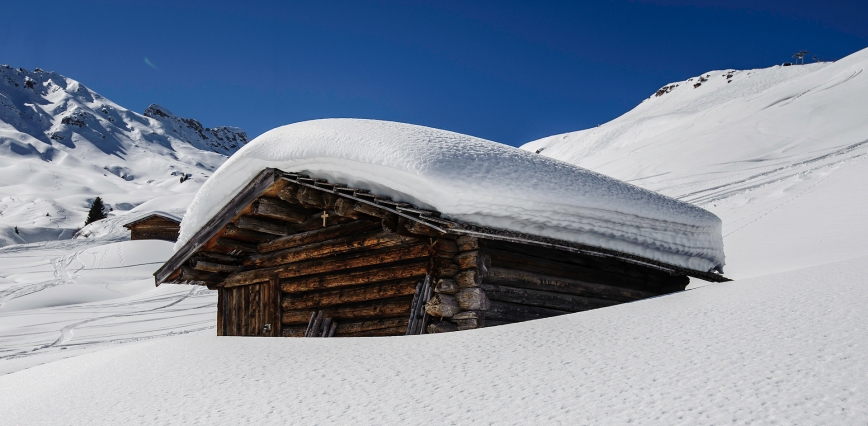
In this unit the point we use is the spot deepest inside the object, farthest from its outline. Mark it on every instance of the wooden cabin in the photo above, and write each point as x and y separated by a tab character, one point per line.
154	226
295	256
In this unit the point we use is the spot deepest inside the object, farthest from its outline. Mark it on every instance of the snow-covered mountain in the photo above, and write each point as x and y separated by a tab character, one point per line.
779	154
62	145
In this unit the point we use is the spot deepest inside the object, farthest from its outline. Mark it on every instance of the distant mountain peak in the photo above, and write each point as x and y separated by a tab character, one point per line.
223	139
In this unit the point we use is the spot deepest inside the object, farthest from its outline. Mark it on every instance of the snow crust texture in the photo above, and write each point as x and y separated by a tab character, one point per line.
476	181
62	145
781	349
779	154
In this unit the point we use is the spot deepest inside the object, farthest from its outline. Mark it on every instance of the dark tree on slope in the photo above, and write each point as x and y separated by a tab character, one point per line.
97	211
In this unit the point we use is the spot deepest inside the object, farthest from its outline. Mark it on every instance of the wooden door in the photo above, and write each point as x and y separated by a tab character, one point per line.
250	310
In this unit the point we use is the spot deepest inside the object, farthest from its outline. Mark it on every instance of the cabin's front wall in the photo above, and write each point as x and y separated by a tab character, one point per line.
155	228
299	261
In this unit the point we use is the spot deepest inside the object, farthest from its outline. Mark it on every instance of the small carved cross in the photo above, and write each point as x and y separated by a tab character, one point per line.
324	216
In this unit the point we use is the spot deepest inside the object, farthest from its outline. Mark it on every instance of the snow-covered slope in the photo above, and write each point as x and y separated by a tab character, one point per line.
476	181
62	145
779	154
781	349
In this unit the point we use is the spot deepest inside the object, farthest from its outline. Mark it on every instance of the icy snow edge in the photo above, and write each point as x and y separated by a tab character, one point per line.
476	181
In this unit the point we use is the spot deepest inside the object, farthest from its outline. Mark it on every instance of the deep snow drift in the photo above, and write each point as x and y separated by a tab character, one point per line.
779	154
781	349
62	144
476	181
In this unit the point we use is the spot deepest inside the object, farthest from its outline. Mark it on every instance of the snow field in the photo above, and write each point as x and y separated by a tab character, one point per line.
61	300
779	349
778	154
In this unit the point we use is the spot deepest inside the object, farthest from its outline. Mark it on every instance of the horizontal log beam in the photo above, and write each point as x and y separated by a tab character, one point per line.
189	274
202	265
523	296
246	235
416	228
359	327
617	266
370	310
278	209
522	262
368	275
370	241
534	281
259	225
318	235
236	245
331	264
340	296
503	311
391	331
219	257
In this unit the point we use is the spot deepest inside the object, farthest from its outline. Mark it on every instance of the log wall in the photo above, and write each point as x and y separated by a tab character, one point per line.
504	282
301	262
155	228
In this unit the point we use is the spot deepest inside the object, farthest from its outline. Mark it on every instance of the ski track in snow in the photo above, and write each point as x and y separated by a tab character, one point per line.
66	327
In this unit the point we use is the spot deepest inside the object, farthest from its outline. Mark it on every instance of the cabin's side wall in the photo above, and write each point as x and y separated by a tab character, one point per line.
155	228
504	282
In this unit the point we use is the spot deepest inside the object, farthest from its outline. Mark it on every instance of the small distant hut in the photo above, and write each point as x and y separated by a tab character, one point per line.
154	226
295	256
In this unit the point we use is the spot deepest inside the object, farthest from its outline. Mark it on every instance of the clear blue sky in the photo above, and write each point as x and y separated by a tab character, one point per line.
505	71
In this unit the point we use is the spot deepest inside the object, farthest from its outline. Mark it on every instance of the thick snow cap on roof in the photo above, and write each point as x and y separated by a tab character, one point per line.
475	181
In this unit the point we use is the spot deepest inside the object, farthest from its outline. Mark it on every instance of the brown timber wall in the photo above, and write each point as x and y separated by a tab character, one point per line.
155	228
295	254
281	261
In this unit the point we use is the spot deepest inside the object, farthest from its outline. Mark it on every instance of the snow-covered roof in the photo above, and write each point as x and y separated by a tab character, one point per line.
147	215
473	181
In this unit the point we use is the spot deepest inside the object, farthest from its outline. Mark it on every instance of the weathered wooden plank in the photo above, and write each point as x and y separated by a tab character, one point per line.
369	310
417	228
318	235
246	235
349	295
189	274
565	302
515	312
332	264
358	327
281	210
522	262
202	265
382	332
368	275
371	240
221	299
236	245
607	264
444	248
297	331
534	281
446	286
314	221
219	258
260	225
